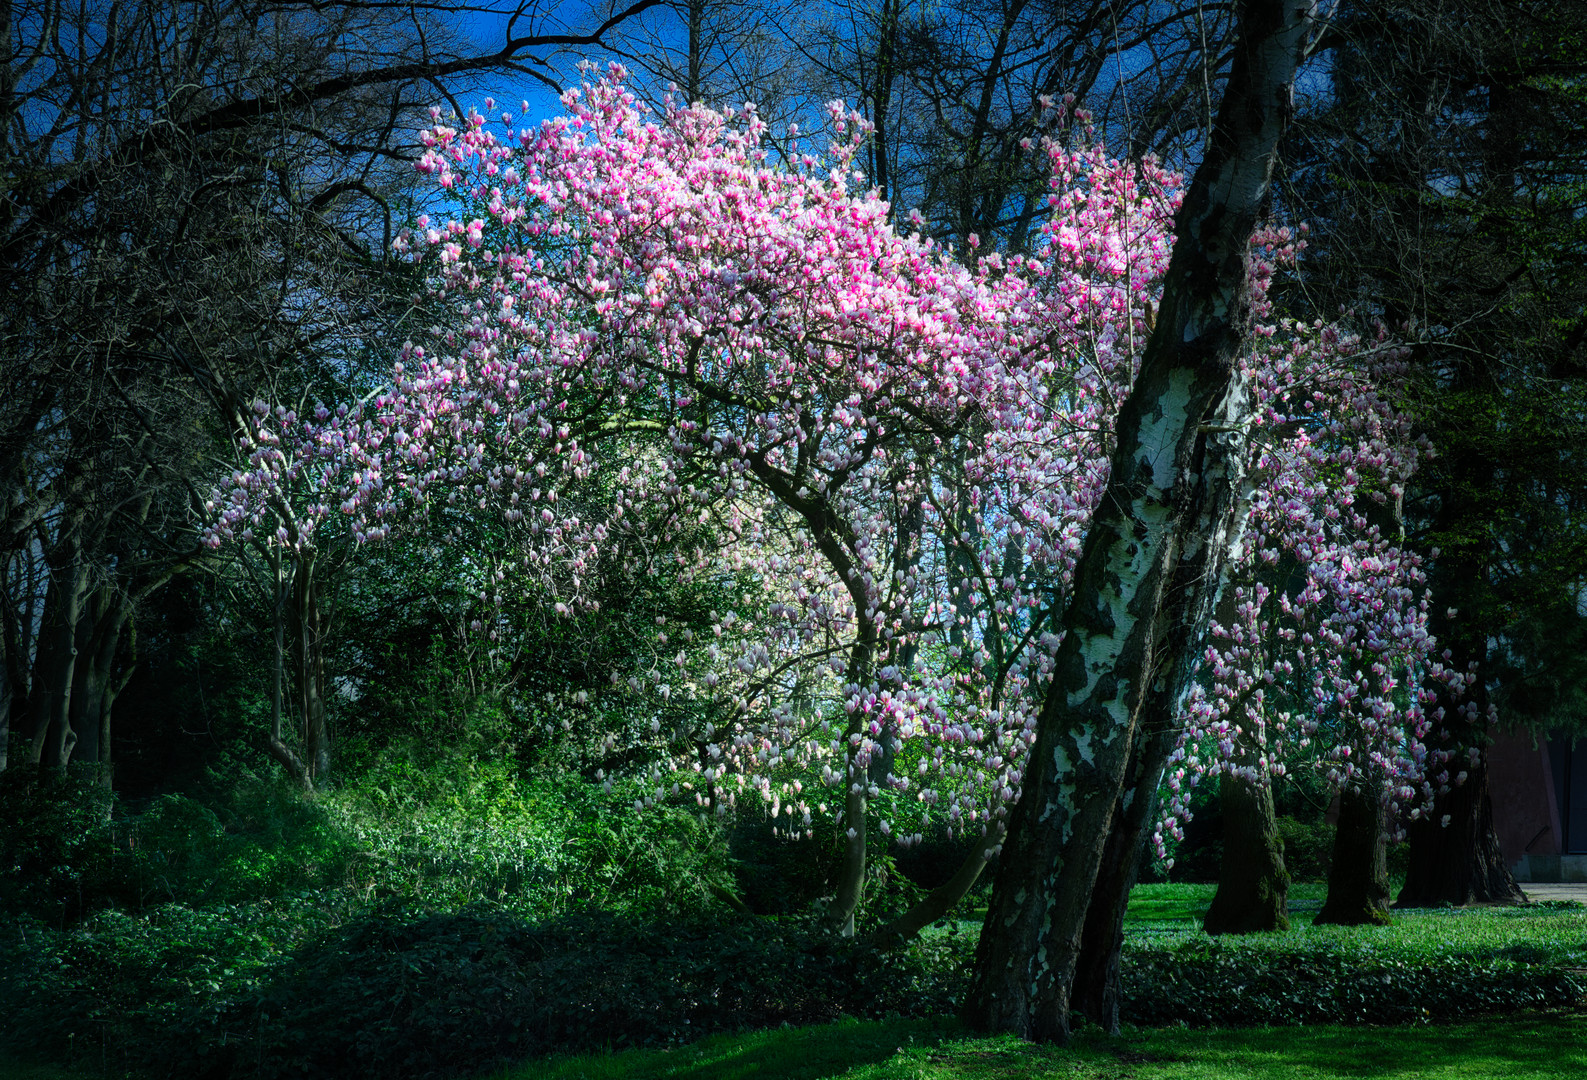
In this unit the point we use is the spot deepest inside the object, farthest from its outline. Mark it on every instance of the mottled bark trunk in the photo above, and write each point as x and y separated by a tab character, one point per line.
1253	886
1358	877
1171	516
1459	863
1097	993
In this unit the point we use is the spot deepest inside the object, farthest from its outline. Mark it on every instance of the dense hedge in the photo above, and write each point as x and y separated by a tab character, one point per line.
1208	984
399	994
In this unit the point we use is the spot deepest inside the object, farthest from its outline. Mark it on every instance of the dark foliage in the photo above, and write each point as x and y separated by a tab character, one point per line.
400	994
1202	984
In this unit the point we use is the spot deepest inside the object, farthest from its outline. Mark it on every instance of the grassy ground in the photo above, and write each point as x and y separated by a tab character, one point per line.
1168	916
1535	1047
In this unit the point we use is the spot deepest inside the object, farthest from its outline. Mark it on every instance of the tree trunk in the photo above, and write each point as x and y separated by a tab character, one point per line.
55	663
1171	517
1459	863
7	691
94	682
1253	886
1097	993
945	897
1358	877
309	628
276	744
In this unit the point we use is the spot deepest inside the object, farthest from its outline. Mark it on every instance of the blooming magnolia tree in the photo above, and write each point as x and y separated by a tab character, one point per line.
895	456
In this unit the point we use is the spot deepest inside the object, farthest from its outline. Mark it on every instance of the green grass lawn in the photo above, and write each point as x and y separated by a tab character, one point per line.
1535	1046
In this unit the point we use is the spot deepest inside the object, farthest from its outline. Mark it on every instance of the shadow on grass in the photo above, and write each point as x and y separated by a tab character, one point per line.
1540	1045
1535	1046
809	1053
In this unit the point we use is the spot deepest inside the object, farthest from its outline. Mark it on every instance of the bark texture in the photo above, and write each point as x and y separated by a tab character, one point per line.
1097	993
1358	878
1459	863
1153	556
1253	885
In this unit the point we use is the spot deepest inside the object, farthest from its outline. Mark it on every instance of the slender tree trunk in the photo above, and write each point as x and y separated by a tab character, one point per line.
696	18
309	627
1358	877
945	897
1459	863
856	793
7	690
98	639
55	665
1253	886
1172	515
277	744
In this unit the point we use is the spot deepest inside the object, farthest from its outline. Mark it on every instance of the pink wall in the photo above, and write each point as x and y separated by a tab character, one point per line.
1525	811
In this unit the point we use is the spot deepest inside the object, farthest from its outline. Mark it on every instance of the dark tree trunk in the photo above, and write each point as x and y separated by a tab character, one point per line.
288	758
1459	863
945	897
1358	878
55	662
309	628
7	692
1253	886
95	683
1147	578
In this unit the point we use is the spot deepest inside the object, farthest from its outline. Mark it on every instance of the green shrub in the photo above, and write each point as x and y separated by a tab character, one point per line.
1205	984
55	847
1308	848
540	846
257	992
436	995
310	986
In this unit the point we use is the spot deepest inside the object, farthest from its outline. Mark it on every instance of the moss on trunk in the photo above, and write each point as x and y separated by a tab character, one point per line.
1253	886
1358	879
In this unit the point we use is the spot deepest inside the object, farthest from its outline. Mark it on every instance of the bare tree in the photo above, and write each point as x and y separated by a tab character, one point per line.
196	205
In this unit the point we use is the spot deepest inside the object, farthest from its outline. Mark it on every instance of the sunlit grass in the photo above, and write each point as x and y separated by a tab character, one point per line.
1169	916
1536	1046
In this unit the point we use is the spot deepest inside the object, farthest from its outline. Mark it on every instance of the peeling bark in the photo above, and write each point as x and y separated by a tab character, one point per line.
1097	993
1153	556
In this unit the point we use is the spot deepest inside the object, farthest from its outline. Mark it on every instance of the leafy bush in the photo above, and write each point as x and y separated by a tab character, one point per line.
258	992
419	996
1204	984
311	986
251	838
55	849
539	846
1308	848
